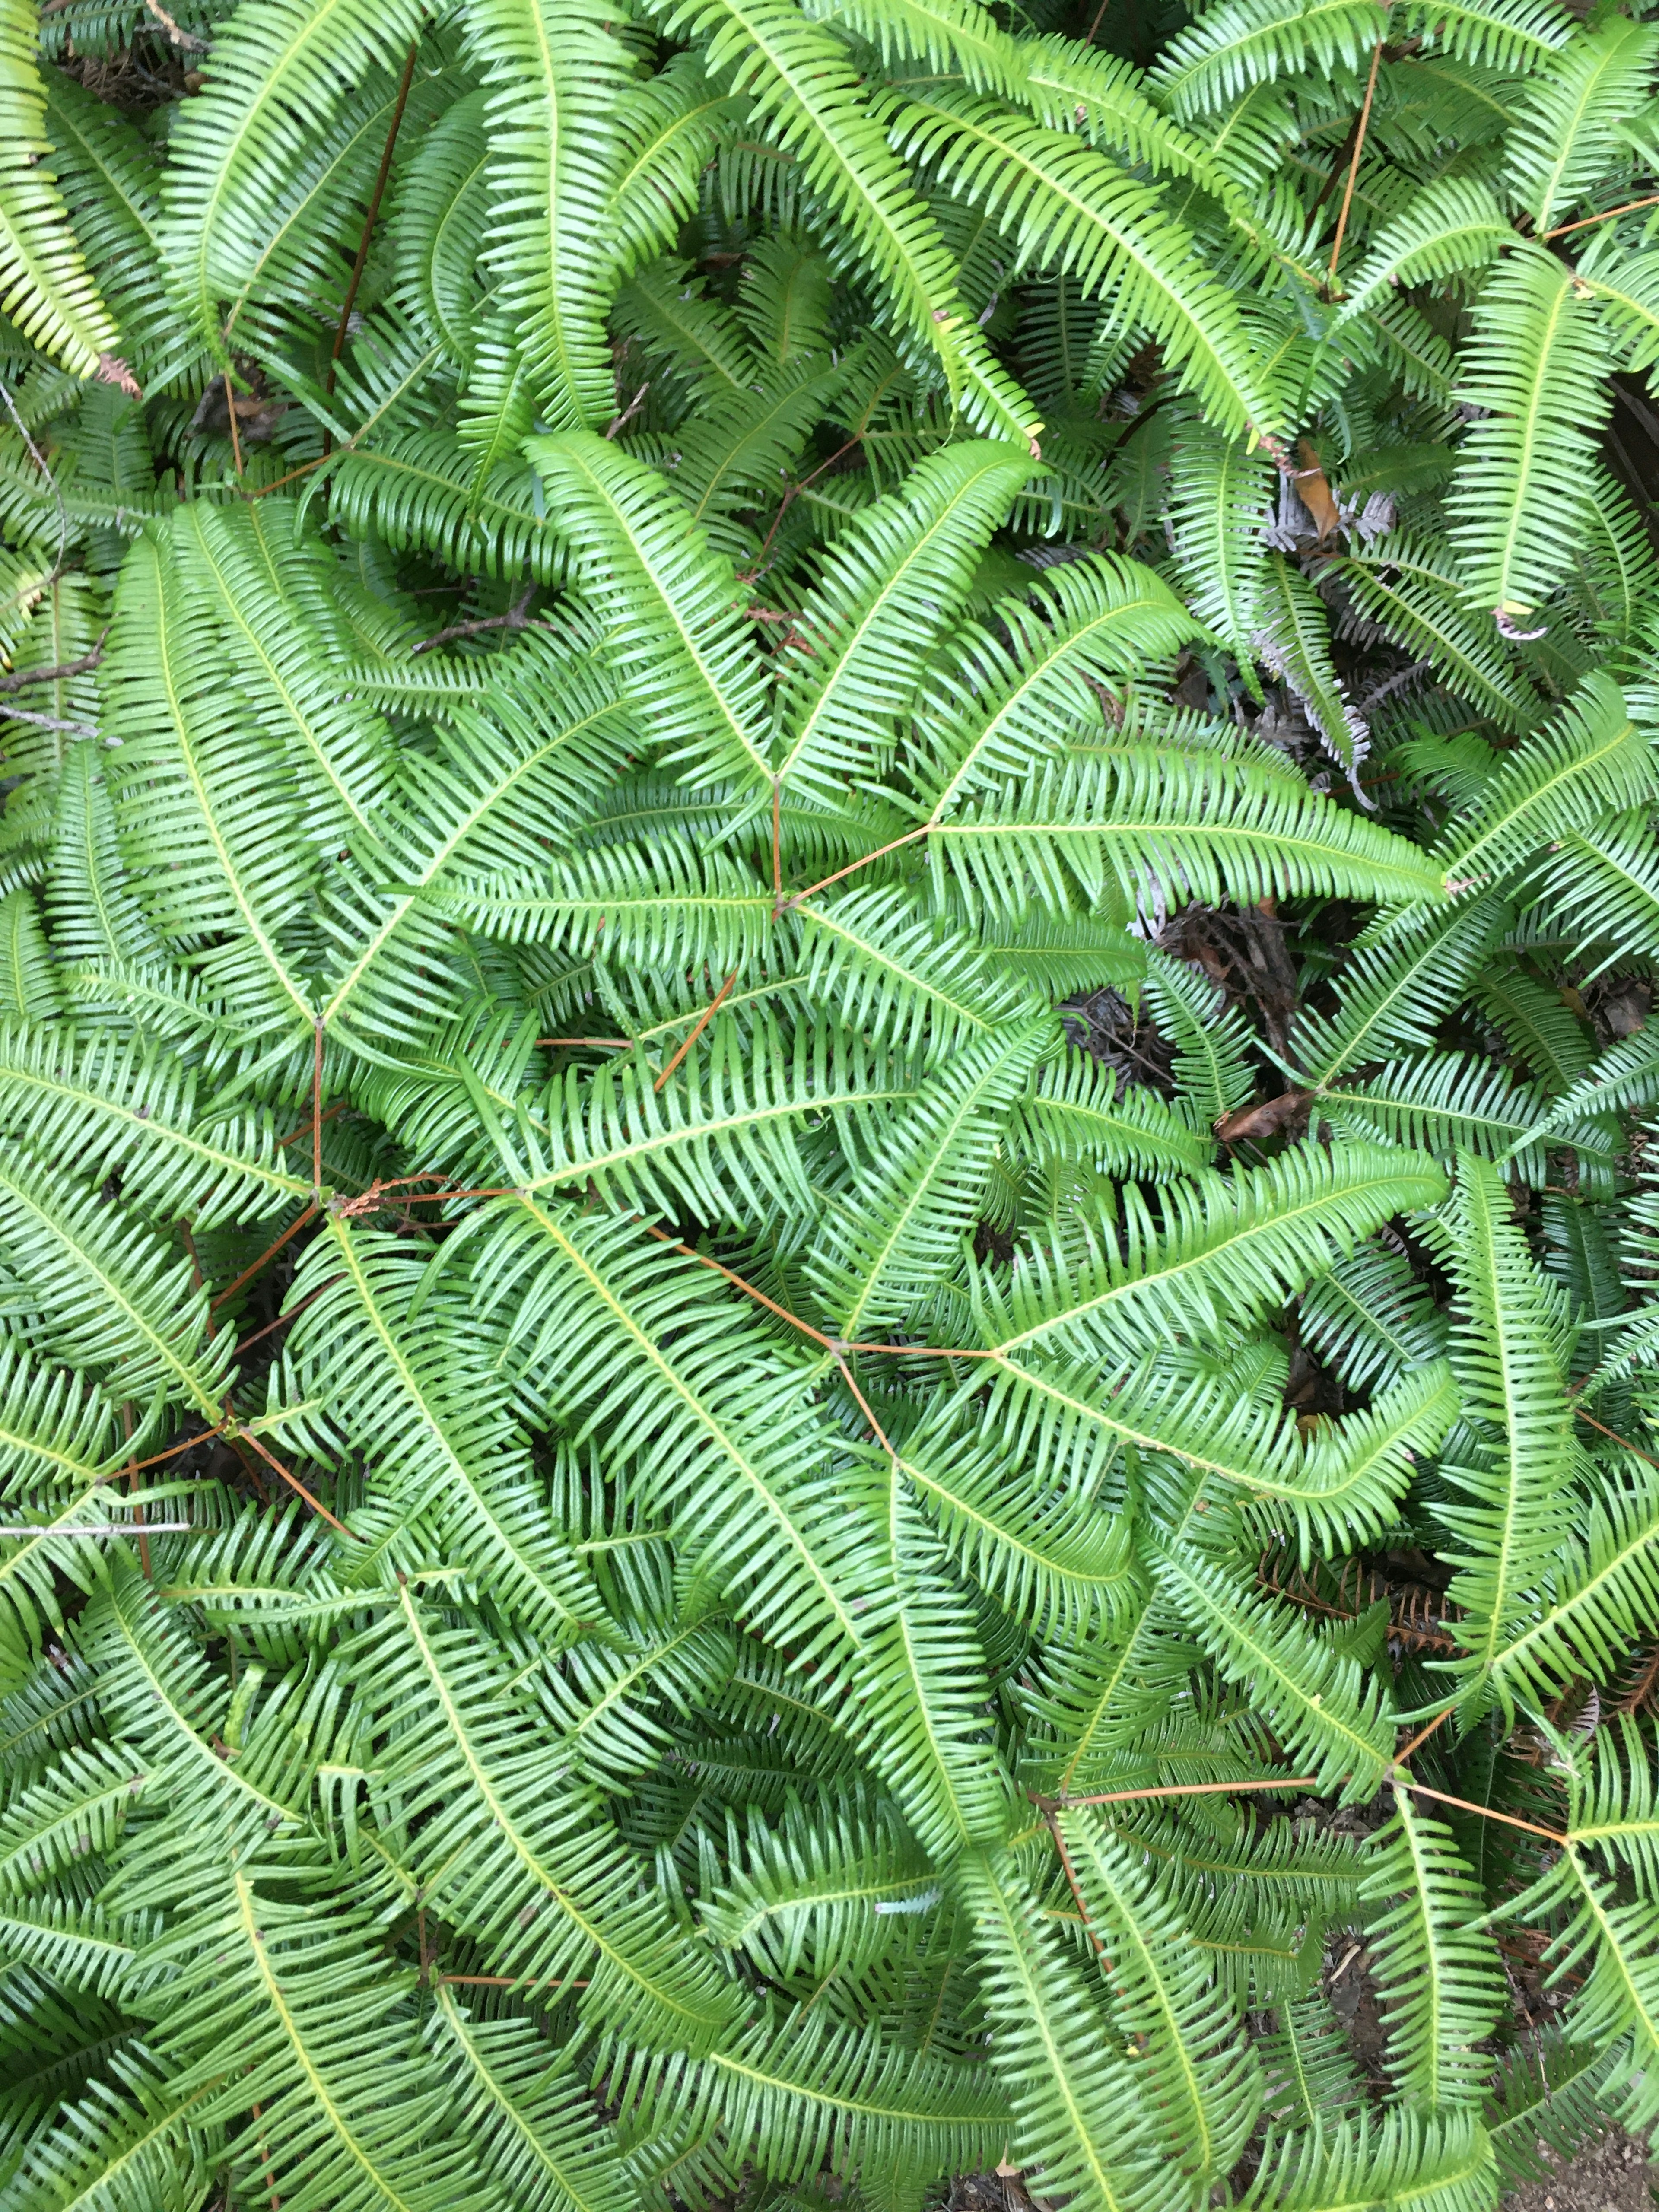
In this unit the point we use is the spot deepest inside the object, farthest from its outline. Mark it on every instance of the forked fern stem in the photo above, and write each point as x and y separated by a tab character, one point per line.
247	1436
267	1256
707	1016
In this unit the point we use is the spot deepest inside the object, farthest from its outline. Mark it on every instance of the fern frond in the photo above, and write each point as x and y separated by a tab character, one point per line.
44	285
1441	1981
1537	368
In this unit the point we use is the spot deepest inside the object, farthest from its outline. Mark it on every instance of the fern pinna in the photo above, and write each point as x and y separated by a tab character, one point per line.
828	912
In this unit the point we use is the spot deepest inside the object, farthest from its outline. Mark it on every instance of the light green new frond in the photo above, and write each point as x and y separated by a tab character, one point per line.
1440	1981
95	1105
1209	1040
952	38
889	584
1598	1591
1201	2079
1545	2100
111	2149
626	1337
1409	586
882	1242
1295	641
78	1807
666	129
255	575
795	2095
1079	1108
163	1706
662	906
1603	884
1402	2161
1351	1473
532	2128
1452	225
522	1859
45	285
1448	1102
1568	130
616	1704
892	971
1309	2068
108	174
418	488
438	225
1066	208
278	69
1070	85
28	988
1323	1711
1506	1350
820	1896
994	702
671	607
799	81
483	797
1054	1558
1591	760
111	1295
1610	1943
1622	283
1137	818
1225	1248
1221	494
1370	1315
1625	1076
79	1946
918	1699
1405	977
1536	362
1078	2102
1060	955
286	274
423	1400
197	799
724	1129
555	77
307	1999
1613	1804
54	1432
1335	1486
1242	43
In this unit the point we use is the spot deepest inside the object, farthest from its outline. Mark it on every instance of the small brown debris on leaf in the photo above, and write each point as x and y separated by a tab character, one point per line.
1315	492
1264	1120
112	370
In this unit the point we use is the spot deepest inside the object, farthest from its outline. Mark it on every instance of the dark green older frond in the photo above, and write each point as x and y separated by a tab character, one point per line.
1440	1980
1226	1247
1202	2078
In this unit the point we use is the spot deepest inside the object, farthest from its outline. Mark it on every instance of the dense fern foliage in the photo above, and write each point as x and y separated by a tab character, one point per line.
826	1346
